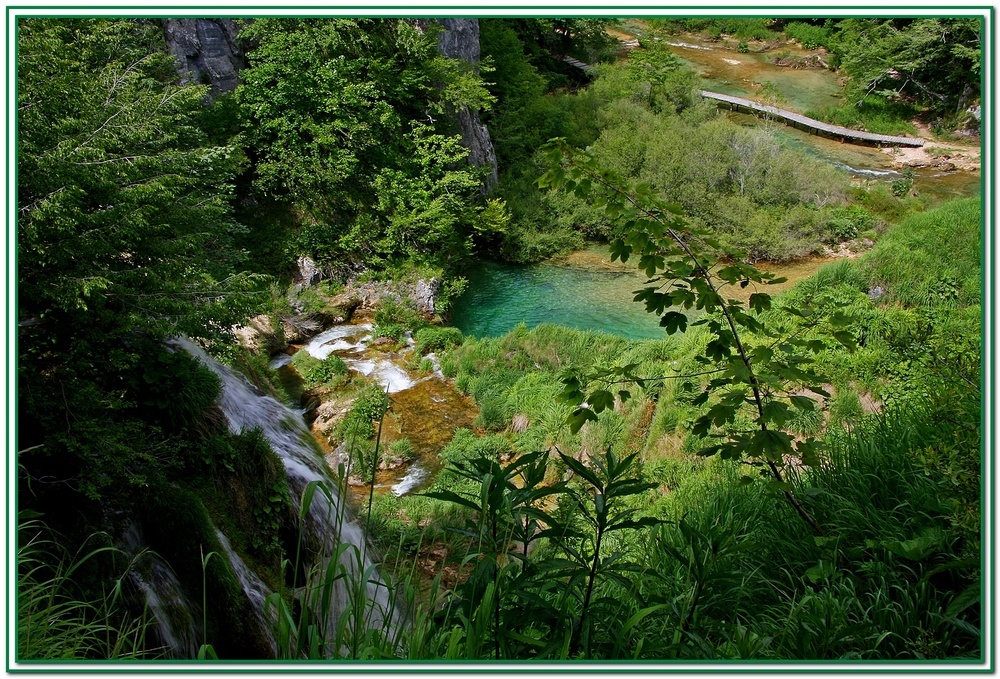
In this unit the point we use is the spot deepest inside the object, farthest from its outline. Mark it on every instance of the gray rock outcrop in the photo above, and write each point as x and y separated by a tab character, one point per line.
206	51
420	294
460	40
307	272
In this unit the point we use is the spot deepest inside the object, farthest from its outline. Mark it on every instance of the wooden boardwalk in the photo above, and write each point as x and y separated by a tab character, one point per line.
814	126
579	64
796	120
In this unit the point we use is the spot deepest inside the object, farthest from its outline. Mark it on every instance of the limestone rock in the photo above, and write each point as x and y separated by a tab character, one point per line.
425	294
206	51
307	272
422	293
260	335
460	40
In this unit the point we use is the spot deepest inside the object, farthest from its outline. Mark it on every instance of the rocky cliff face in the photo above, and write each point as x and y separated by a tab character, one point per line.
460	40
206	51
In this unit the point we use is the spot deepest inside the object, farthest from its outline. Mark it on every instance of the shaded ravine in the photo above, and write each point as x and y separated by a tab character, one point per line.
328	523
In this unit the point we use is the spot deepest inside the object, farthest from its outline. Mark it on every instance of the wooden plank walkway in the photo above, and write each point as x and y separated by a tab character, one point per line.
796	120
579	64
816	127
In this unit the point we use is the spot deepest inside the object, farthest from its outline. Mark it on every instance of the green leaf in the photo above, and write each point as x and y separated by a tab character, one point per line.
822	571
601	400
970	596
809	452
762	355
580	470
770	444
702	426
721	414
803	403
760	301
717	351
454	498
840	320
674	321
580	417
644	522
775	412
917	548
846	338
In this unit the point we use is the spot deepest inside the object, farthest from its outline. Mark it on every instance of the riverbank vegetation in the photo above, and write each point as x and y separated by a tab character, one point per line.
786	477
896	69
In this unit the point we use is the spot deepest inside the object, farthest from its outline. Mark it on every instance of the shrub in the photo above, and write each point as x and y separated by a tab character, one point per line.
402	448
810	36
393	331
318	372
437	339
390	312
850	222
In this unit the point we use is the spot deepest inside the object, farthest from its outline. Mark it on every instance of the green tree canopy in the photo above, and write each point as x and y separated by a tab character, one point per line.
349	119
124	239
934	61
123	207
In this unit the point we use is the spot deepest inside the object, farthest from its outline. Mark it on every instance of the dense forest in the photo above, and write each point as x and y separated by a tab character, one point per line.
248	428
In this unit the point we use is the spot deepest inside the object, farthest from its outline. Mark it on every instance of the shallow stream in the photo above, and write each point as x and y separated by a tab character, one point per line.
424	407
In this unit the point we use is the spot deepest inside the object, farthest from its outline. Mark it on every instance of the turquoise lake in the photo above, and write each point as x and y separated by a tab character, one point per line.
565	291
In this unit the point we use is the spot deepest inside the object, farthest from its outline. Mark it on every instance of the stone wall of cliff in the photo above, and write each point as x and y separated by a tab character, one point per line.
460	40
206	50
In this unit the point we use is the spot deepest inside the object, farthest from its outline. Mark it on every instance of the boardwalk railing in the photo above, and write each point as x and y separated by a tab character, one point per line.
814	126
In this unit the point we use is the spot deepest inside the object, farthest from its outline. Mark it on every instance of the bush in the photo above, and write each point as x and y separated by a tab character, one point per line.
393	331
810	36
390	313
850	222
435	339
402	448
316	372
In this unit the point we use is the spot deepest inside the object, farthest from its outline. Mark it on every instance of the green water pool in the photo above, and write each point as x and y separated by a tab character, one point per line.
500	296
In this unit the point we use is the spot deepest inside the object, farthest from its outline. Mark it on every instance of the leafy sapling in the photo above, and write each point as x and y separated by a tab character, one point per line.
751	367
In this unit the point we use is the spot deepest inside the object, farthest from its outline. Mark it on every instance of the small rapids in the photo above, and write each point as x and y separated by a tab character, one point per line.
349	342
865	172
424	407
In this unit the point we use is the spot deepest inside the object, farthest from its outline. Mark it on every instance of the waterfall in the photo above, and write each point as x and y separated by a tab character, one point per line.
255	589
329	525
177	629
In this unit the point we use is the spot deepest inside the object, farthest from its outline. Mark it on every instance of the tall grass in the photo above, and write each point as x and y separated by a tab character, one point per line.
873	115
932	257
58	621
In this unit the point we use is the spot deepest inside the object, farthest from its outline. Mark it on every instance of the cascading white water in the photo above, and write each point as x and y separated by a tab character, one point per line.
866	172
255	589
329	523
176	628
351	340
